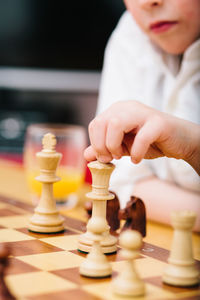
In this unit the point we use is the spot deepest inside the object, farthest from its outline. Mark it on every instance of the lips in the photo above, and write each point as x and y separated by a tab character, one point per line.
162	26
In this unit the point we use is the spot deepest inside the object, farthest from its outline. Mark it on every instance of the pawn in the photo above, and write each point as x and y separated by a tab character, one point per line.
181	270
96	264
128	283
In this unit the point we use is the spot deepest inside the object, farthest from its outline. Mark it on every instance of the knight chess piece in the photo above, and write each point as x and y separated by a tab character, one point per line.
181	270
134	215
128	282
46	218
100	180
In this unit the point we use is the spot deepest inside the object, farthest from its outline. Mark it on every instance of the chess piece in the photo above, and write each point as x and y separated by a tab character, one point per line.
128	283
96	264
88	208
135	215
4	291
181	270
100	180
112	211
46	218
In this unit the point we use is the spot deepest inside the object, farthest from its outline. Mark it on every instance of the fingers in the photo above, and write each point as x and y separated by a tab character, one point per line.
147	135
106	137
114	138
97	134
89	154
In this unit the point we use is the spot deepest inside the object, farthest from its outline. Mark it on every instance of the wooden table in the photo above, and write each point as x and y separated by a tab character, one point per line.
13	184
46	266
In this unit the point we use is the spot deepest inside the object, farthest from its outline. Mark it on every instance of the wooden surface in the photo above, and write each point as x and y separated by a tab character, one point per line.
13	184
47	266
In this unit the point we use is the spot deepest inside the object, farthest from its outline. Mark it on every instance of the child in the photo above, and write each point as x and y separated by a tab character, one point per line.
153	56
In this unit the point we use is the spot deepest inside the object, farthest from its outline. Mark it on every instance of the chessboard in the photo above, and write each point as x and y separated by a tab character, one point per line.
46	266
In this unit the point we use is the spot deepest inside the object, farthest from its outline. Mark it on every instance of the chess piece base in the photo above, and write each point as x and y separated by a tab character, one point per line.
182	276
108	243
45	223
95	269
128	287
45	229
106	250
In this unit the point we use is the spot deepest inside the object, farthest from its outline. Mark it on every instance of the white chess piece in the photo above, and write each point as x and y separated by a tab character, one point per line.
46	218
128	282
100	194
96	264
181	270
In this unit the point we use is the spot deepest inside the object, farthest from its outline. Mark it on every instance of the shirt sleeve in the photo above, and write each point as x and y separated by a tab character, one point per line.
125	175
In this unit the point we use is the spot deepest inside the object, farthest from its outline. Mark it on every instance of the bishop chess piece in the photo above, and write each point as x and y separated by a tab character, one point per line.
100	181
46	218
181	270
96	264
128	282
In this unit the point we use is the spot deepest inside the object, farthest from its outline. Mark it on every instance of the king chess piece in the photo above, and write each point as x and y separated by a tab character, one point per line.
100	195
181	270
46	218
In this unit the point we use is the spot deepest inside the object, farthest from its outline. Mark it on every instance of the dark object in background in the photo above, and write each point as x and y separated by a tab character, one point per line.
56	34
20	108
4	291
112	211
135	215
51	55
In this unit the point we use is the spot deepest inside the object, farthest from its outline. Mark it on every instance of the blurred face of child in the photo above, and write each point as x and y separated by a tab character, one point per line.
172	24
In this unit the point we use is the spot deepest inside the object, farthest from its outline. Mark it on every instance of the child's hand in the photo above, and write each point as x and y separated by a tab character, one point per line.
131	128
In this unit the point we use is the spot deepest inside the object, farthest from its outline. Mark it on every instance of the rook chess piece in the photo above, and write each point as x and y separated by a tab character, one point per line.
47	218
181	270
96	264
128	283
100	180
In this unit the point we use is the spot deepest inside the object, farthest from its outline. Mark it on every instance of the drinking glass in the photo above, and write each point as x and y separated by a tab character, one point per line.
71	142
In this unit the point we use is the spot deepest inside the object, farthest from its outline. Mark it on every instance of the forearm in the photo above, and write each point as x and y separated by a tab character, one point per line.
162	197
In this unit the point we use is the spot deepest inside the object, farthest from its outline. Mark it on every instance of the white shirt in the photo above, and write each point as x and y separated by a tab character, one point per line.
134	68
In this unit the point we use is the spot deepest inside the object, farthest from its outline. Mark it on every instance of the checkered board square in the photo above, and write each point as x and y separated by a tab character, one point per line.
46	266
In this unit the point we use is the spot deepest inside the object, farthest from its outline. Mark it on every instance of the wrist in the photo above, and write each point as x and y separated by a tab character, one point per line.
193	157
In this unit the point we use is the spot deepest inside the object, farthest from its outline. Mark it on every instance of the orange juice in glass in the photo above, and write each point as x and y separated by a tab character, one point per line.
71	142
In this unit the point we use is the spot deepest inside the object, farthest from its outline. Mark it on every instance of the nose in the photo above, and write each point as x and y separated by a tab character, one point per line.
148	4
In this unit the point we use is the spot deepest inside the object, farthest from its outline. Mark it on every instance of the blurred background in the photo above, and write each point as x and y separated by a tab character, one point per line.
51	55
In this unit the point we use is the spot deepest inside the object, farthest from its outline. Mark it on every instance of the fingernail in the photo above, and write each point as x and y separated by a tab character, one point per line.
104	159
116	157
134	160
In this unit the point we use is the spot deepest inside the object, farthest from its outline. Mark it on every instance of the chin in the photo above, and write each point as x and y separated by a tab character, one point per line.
173	48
